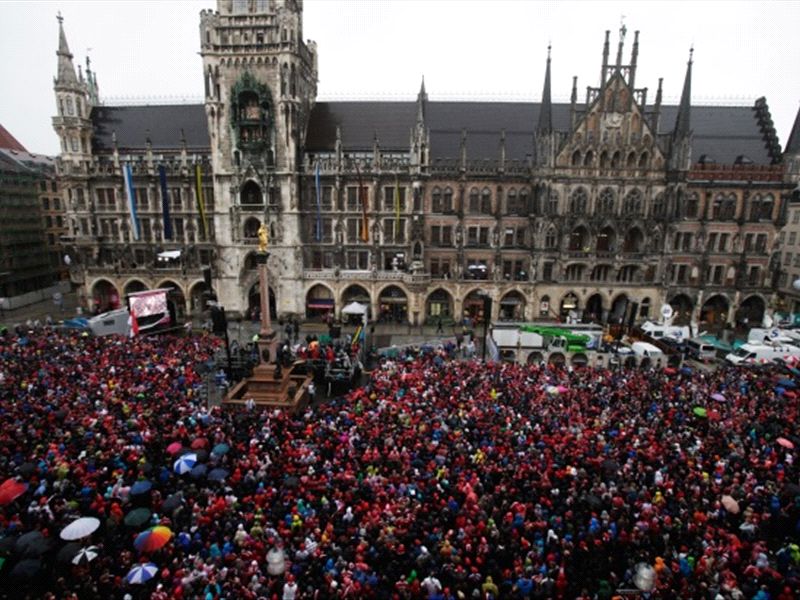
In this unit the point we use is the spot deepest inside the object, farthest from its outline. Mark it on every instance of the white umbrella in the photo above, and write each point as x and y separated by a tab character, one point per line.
354	308
141	573
80	528
85	555
185	463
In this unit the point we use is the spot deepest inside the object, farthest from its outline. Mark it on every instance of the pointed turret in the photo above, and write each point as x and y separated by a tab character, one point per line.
546	109
422	103
634	59
683	122
66	70
793	143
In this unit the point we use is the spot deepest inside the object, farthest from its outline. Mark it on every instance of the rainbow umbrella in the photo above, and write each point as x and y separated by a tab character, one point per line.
141	573
153	539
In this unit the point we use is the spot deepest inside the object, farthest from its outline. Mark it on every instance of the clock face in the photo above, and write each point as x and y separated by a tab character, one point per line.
613	120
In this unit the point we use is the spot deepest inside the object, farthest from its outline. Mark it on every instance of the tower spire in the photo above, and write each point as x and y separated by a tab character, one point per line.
546	109
66	70
682	123
422	103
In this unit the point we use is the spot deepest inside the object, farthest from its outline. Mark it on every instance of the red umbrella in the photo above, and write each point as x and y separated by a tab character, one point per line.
174	447
199	443
785	443
11	490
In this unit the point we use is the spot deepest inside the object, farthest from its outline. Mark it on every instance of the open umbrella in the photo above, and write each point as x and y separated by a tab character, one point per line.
27	568
644	577
141	573
220	449
68	552
789	384
202	455
700	412
85	555
785	443
686	371
198	443
27	469
137	517
153	539
199	471
217	474
140	487
32	544
185	463
10	490
80	528
174	448
731	505
173	502
718	397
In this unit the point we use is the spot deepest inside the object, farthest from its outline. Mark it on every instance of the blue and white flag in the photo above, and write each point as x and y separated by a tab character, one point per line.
131	193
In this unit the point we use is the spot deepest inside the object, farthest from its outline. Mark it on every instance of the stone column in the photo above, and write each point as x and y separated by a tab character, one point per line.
267	338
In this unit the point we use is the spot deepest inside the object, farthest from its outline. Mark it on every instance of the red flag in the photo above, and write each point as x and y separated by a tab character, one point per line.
133	323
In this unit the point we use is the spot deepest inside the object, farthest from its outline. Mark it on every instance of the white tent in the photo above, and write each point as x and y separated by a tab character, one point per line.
354	308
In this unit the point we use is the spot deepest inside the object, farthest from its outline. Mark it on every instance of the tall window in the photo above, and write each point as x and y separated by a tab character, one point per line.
447	200
632	205
436	200
389	198
552	203
486	201
550	239
474	200
605	202
578	201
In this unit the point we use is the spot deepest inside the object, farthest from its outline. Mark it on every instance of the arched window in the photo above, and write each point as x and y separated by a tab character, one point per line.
632	160
605	202
576	158
552	203
633	203
523	201
550	240
436	200
251	194
767	203
588	159
251	227
486	201
644	159
692	204
447	200
511	202
659	205
604	158
578	201
474	201
615	160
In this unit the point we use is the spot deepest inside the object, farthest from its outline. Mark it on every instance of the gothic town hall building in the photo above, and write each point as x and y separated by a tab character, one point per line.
604	208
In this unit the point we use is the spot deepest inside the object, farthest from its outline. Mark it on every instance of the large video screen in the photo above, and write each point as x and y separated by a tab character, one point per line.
145	304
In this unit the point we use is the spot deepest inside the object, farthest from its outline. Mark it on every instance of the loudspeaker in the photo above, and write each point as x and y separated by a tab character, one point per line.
218	320
634	306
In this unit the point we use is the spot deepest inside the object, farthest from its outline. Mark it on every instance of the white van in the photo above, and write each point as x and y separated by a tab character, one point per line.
648	354
660	330
112	322
701	350
750	354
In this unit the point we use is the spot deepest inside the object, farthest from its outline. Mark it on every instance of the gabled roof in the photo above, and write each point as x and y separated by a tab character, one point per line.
163	124
9	141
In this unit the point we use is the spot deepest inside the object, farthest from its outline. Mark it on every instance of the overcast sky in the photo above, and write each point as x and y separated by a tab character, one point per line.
380	49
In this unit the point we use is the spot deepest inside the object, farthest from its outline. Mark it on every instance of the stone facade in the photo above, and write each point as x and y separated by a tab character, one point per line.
603	210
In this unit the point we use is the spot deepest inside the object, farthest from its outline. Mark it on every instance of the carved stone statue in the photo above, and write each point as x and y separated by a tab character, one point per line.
263	238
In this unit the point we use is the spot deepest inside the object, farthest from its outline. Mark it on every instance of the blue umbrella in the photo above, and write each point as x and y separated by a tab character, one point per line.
185	463
217	474
220	449
141	487
198	471
141	573
686	371
787	384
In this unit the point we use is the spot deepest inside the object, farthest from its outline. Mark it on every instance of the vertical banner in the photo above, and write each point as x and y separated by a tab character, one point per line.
318	232
131	193
396	208
162	176
201	203
364	200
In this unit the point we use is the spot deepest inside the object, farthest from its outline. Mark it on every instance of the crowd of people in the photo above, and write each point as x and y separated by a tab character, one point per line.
437	479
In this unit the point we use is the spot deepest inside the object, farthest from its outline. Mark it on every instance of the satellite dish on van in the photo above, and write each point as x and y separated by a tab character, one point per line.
666	312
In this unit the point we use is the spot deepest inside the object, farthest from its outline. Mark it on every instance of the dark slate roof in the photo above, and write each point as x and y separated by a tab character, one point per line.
793	145
164	124
721	132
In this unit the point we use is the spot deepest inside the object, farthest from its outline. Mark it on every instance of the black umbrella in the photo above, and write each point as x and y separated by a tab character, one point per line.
173	502
202	455
27	469
137	517
27	568
198	471
32	544
68	552
217	474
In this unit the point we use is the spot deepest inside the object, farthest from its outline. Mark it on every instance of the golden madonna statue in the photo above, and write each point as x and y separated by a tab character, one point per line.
263	238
